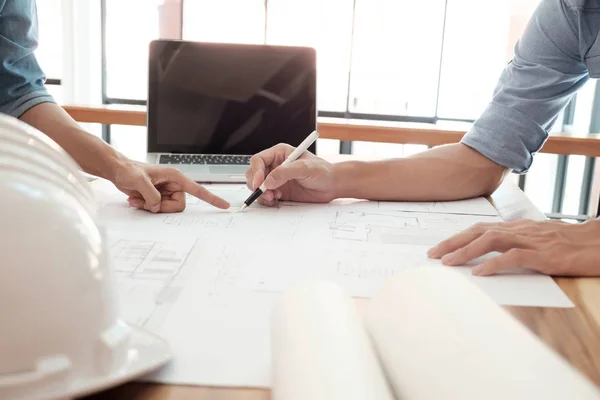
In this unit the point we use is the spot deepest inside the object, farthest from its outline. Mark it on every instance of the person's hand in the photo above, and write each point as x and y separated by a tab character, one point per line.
160	189
550	247
308	179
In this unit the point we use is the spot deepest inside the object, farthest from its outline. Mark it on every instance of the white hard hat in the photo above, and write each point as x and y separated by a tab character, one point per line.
60	334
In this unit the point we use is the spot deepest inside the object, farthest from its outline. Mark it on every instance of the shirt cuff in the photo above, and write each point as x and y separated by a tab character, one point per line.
507	137
18	106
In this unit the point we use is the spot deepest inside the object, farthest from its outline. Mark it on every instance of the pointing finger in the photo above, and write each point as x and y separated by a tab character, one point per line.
203	194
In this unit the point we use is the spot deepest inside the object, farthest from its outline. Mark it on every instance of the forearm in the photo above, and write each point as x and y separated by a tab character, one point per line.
94	155
449	172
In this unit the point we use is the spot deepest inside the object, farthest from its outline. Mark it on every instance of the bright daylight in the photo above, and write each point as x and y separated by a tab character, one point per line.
300	199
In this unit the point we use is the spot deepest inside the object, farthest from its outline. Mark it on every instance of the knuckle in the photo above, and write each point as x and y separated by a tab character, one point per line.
302	163
479	227
516	254
492	235
282	146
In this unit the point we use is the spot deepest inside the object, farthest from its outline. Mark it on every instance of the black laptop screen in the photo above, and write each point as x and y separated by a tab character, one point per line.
210	98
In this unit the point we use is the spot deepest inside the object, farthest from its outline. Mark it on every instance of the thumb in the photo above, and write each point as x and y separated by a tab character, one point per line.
285	173
149	192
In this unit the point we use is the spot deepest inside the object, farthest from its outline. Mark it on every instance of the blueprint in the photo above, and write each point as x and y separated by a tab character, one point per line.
476	206
409	228
150	272
206	279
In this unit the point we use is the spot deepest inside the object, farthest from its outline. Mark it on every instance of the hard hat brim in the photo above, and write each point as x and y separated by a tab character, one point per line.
146	353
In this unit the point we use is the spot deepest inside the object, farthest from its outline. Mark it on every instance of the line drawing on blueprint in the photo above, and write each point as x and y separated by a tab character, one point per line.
365	227
215	221
399	227
430	207
151	272
474	206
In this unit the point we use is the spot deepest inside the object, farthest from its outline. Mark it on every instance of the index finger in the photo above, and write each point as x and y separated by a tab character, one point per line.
459	240
204	194
193	188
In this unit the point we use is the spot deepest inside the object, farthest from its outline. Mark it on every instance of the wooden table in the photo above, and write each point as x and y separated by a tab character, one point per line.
573	332
587	144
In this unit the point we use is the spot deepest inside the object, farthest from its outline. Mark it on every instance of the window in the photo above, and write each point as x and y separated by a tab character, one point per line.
129	140
396	57
325	25
478	43
50	51
233	21
376	58
127	40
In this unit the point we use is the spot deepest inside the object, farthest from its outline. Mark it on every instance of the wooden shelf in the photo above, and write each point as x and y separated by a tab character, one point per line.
358	130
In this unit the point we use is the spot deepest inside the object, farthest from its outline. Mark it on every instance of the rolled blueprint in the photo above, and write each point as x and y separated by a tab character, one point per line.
440	337
320	350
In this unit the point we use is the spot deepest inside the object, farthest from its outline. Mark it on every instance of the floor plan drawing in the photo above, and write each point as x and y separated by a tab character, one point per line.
362	226
208	221
390	227
152	271
475	206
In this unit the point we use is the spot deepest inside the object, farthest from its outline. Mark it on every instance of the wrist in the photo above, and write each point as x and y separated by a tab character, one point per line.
110	163
347	179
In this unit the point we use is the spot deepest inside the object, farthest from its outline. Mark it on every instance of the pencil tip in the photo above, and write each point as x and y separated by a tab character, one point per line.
242	207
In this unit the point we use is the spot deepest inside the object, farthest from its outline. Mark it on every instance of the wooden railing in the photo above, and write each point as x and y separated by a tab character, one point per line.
358	130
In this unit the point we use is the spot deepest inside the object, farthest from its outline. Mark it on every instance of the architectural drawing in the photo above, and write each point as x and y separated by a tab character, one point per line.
365	227
390	227
475	206
152	272
210	221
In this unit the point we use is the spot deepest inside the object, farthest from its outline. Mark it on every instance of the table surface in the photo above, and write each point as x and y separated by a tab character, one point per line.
573	333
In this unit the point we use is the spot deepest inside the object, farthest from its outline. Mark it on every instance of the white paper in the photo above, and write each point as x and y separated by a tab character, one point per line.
320	348
211	292
438	337
475	206
361	269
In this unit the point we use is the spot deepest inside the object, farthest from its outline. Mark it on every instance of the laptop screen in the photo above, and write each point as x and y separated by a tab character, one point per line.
214	98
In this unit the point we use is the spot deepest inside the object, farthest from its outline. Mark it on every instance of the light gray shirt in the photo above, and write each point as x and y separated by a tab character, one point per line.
558	52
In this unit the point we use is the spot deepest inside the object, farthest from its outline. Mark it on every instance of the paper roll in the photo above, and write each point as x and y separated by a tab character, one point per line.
440	337
320	350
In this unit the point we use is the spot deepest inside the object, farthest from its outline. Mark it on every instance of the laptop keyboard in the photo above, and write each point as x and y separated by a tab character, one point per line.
213	159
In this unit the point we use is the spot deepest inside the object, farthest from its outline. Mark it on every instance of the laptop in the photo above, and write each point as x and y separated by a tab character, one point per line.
211	106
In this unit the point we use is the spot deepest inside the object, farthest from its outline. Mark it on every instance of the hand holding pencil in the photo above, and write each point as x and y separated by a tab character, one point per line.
283	172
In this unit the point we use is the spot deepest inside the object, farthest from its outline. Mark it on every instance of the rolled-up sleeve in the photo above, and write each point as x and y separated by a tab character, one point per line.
547	69
21	77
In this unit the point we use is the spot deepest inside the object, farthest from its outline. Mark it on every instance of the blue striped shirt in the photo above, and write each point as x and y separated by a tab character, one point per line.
558	52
